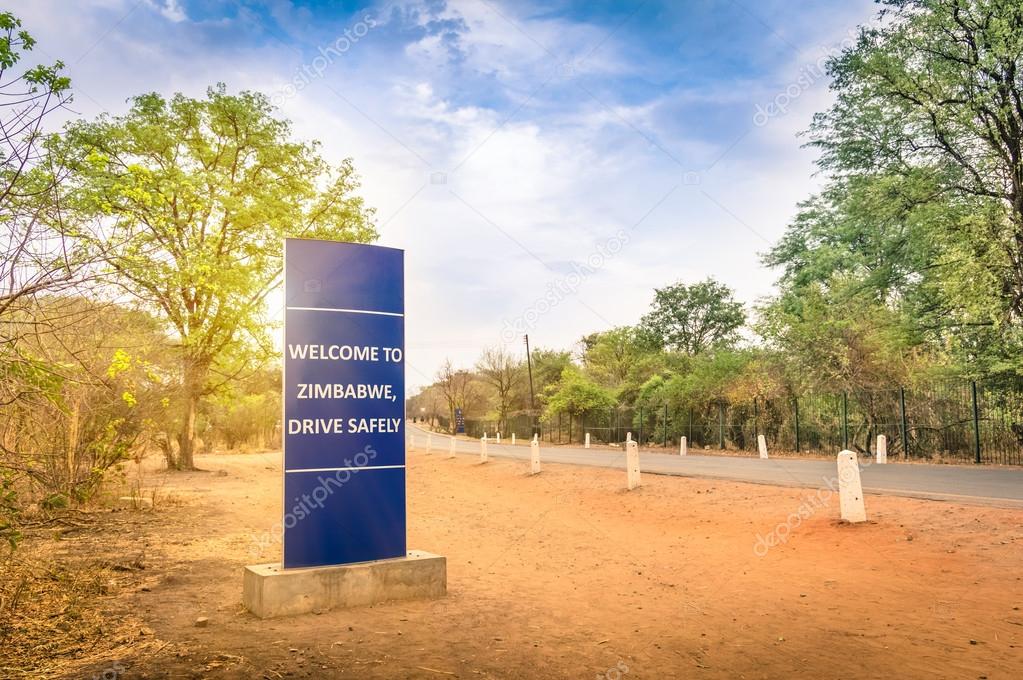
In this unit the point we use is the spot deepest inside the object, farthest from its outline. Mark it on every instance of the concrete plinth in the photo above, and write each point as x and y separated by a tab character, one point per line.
270	591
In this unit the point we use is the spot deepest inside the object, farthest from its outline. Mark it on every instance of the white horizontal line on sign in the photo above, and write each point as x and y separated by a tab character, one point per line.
350	311
339	469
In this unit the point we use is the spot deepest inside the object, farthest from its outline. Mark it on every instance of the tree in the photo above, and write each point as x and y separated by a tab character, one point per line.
838	341
691	319
458	388
37	255
924	210
609	356
548	365
576	395
502	372
89	397
201	193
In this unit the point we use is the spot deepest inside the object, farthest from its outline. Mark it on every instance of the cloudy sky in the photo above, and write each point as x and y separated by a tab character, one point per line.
545	165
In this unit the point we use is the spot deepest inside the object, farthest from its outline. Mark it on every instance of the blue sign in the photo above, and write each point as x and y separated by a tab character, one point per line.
344	403
459	421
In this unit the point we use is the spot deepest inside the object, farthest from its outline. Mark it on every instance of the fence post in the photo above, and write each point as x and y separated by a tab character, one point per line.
845	421
905	429
665	426
976	422
795	403
721	425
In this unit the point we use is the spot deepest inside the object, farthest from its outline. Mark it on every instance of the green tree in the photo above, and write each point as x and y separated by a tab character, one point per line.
837	340
548	365
694	318
577	395
925	148
199	194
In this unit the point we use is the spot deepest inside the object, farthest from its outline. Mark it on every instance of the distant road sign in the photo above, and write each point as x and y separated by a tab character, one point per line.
459	421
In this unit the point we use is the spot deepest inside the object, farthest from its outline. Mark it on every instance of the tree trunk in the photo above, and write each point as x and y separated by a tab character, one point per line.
192	383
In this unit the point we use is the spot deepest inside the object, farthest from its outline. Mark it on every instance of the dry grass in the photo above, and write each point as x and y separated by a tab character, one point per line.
58	616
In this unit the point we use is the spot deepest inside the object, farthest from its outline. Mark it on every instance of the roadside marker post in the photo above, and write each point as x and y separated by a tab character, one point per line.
483	448
850	489
534	458
451	447
683	447
632	464
762	445
882	449
586	444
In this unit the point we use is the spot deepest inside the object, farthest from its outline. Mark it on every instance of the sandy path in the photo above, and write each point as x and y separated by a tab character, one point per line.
567	576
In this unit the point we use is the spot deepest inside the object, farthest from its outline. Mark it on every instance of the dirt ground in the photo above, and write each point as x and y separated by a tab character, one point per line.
566	575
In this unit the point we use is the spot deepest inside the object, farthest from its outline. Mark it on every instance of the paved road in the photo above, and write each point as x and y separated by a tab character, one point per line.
999	486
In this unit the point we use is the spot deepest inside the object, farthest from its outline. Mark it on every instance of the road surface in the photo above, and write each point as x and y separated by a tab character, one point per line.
986	485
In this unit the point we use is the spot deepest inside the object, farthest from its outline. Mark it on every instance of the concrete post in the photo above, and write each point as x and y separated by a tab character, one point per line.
534	457
762	445
483	448
498	437
586	444
451	447
628	436
513	439
882	449
850	489
535	437
683	447
632	464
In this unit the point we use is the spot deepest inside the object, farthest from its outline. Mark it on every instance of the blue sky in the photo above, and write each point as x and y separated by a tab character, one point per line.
544	165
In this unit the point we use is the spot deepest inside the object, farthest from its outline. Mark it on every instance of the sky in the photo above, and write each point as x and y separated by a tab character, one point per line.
545	166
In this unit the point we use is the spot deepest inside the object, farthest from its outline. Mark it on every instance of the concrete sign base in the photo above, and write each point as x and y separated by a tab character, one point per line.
270	591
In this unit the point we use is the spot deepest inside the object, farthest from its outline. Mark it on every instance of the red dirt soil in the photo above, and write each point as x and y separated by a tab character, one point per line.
567	575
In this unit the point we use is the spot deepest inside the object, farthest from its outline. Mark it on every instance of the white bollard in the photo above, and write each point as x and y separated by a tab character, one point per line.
498	437
451	447
535	437
534	457
632	464
762	445
429	443
628	436
850	490
882	449
483	448
513	439
683	447
586	444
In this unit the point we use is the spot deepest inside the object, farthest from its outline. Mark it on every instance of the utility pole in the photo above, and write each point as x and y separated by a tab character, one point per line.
529	366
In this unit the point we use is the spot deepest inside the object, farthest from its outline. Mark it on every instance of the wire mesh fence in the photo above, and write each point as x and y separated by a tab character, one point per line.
948	420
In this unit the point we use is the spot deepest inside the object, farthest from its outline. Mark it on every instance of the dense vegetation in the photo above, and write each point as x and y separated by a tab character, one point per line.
138	254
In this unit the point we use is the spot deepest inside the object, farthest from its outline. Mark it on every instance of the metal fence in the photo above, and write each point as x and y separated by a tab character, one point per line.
950	420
